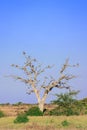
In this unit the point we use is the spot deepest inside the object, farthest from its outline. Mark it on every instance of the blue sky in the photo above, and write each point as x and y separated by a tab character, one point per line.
49	30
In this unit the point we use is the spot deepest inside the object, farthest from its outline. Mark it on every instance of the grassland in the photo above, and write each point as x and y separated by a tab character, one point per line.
42	122
45	123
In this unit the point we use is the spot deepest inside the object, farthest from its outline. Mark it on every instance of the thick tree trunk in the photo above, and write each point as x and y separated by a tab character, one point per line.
41	106
41	102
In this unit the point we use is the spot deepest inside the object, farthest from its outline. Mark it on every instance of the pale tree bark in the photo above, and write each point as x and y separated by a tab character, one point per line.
32	70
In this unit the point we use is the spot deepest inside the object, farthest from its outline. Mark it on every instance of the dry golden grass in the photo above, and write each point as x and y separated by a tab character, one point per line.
13	110
45	123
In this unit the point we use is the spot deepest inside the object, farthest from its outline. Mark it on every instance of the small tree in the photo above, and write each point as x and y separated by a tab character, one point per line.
66	99
67	104
33	71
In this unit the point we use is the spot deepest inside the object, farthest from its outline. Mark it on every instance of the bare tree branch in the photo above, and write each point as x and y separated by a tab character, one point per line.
33	70
64	66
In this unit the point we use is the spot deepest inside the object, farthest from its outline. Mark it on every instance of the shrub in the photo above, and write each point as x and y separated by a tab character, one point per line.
34	111
21	118
1	114
58	111
65	123
71	112
86	112
17	104
55	112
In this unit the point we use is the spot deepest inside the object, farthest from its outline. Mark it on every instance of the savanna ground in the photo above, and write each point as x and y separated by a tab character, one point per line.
40	122
46	123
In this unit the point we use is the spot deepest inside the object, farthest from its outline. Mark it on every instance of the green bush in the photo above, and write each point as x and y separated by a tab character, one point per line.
86	112
71	112
1	114
18	104
21	118
34	111
65	123
55	112
64	111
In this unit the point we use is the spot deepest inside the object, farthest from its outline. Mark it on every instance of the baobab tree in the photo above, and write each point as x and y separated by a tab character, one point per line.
33	70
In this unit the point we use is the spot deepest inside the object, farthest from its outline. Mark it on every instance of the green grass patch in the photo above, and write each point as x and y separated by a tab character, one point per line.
55	122
2	114
65	123
21	118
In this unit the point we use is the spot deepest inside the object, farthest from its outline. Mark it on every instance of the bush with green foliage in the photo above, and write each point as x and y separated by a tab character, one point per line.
55	112
65	99
65	123
18	104
34	111
71	112
86	112
21	118
1	114
61	111
67	104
